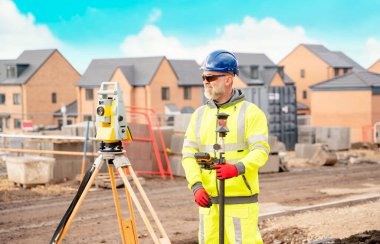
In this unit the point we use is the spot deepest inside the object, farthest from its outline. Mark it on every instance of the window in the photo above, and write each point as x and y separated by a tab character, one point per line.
304	94
345	70
11	72
165	93
89	94
7	123
254	72
17	123
336	71
302	73
2	98
251	71
187	93
54	97
16	99
87	118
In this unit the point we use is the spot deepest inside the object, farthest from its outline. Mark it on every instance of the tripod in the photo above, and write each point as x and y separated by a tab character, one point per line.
127	227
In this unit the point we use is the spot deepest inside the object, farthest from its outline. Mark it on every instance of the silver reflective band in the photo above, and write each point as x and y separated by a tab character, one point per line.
199	123
257	138
192	144
201	229
237	228
188	155
237	200
241	122
258	146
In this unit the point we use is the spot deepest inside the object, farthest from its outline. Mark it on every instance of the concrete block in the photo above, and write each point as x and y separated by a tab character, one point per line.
181	121
275	145
167	133
323	157
177	143
306	134
272	165
306	150
70	130
176	165
29	170
303	120
336	138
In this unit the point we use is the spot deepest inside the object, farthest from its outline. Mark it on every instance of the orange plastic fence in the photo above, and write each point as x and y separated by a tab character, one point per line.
150	117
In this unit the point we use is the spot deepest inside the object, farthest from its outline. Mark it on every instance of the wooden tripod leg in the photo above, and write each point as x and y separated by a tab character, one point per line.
79	203
138	205
117	204
131	212
147	202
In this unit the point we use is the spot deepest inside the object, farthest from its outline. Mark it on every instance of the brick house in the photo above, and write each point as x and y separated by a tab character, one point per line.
351	100
33	87
375	67
257	69
167	86
309	64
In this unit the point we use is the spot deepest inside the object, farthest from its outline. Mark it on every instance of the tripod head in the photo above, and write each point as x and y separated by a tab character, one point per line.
111	118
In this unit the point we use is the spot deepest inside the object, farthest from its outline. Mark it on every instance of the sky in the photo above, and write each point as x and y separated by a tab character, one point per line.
188	29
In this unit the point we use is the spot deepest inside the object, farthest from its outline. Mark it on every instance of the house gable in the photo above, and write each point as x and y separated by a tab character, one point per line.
375	67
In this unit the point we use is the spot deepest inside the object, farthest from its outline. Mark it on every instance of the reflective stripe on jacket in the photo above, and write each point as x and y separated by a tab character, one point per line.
246	142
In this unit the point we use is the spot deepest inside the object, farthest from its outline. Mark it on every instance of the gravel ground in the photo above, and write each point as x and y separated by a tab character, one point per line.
32	215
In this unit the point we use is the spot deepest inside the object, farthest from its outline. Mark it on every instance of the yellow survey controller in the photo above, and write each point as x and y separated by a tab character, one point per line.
111	118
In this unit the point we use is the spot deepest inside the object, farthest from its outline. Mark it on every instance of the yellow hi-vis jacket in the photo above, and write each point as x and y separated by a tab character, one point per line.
246	145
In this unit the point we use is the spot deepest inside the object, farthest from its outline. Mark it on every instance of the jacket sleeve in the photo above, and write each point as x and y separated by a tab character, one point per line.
190	147
256	134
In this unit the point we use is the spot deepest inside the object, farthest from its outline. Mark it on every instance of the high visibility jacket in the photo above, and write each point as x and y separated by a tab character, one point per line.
246	145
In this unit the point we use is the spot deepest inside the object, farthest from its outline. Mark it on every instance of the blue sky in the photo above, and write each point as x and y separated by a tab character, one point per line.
88	29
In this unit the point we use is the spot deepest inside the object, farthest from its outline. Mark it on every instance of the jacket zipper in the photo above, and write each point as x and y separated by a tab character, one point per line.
247	184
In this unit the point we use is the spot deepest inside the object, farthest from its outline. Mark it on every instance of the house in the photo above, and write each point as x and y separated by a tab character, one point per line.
33	87
309	64
167	86
351	100
375	67
257	69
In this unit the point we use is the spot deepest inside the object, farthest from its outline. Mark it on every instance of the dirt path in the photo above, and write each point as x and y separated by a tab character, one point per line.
31	216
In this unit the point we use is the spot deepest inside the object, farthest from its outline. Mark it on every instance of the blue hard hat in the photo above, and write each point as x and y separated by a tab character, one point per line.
221	61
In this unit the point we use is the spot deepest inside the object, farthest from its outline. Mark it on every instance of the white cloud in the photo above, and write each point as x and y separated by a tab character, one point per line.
264	36
371	52
154	16
19	32
151	42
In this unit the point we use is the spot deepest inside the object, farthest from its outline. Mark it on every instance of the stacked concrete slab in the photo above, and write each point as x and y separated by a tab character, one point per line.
306	150
79	129
181	121
273	163
306	134
336	138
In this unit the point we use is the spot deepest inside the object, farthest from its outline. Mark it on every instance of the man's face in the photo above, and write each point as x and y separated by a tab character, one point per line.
215	84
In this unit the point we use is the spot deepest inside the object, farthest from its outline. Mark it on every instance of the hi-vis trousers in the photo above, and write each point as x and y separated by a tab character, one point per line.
240	224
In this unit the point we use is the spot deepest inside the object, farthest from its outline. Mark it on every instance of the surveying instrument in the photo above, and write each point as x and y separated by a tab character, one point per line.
207	162
112	129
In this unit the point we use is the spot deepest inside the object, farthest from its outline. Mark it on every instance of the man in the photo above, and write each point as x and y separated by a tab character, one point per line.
246	150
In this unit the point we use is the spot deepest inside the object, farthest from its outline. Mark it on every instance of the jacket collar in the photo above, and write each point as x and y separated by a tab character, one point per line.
237	96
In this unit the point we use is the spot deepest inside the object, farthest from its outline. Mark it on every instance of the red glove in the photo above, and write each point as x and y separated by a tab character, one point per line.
202	198
225	171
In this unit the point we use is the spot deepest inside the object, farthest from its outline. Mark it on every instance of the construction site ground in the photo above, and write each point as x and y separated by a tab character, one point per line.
288	207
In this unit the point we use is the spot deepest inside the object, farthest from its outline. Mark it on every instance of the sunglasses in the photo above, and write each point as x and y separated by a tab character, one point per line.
210	78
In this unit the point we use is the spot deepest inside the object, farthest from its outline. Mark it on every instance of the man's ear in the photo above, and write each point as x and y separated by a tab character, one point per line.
230	80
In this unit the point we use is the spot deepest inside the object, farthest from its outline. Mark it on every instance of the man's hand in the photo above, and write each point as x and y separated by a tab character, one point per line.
202	198
225	171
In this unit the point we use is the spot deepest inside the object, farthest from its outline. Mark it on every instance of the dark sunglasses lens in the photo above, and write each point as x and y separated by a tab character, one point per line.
209	78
